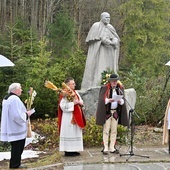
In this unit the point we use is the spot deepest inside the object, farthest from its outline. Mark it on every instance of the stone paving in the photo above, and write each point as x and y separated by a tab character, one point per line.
136	158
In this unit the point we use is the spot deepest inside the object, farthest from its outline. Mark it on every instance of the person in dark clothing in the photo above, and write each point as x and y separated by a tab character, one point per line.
111	111
14	119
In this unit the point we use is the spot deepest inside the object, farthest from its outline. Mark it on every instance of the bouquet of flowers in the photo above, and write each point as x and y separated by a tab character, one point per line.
105	76
29	101
30	98
65	90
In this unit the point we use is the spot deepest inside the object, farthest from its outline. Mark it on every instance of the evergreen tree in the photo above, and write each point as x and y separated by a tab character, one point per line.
146	33
145	46
61	35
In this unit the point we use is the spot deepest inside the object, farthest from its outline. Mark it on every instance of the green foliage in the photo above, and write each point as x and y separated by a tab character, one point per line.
48	130
151	98
34	64
145	40
145	45
74	67
122	135
49	135
61	35
105	75
135	79
92	135
144	48
5	146
19	40
35	69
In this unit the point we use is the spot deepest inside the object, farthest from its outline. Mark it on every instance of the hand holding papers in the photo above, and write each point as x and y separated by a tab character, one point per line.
168	63
32	111
117	97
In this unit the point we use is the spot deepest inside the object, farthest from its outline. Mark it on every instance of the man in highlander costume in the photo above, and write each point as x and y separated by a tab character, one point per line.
111	111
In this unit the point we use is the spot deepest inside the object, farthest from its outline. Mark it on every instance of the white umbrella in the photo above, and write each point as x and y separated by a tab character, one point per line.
168	63
4	62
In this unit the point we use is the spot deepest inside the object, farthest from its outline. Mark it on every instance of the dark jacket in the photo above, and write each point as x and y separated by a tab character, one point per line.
102	109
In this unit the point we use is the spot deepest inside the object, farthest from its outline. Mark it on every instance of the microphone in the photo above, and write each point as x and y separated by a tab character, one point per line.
120	91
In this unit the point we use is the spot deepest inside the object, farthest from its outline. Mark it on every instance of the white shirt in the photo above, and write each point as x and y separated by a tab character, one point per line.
13	119
114	104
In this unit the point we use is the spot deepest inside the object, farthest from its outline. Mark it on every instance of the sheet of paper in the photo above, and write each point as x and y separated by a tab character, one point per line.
169	118
117	97
32	110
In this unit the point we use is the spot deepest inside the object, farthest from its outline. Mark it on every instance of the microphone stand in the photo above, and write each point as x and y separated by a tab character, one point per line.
131	115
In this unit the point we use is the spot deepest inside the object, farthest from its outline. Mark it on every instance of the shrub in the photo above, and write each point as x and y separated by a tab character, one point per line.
93	134
49	135
4	146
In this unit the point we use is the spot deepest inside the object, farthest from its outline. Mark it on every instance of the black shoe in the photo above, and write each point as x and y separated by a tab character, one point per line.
72	153
20	167
69	154
105	152
76	153
115	151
